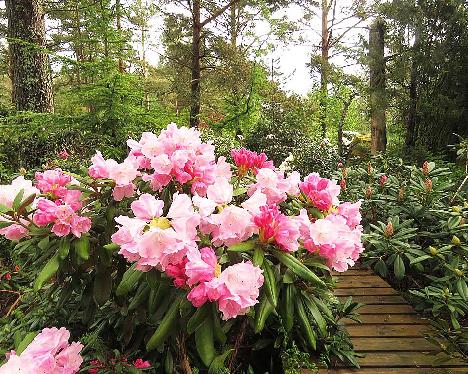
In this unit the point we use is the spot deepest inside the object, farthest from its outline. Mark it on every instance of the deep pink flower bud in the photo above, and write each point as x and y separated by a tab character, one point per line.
140	364
63	154
383	179
343	184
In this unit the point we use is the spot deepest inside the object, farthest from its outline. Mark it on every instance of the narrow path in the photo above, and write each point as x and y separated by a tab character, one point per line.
391	334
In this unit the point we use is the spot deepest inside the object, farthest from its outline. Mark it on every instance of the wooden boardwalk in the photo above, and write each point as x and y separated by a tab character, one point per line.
391	334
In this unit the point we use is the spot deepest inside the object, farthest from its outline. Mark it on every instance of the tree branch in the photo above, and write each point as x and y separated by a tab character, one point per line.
218	12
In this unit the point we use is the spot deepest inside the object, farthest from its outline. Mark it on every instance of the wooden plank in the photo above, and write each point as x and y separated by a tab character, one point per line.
364	291
353	272
386	309
362	282
377	299
393	344
388	319
404	359
413	370
387	330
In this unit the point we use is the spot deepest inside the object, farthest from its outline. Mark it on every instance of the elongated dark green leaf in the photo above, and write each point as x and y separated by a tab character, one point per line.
25	342
242	247
204	341
17	201
270	285
306	328
82	247
198	318
321	323
129	280
102	286
168	321
47	272
298	267
399	268
64	247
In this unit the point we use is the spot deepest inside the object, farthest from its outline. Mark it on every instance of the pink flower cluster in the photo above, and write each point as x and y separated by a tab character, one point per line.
48	353
246	161
337	237
61	205
110	364
321	192
8	193
236	288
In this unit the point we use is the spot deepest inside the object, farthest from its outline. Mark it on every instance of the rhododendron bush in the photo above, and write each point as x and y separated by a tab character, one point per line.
187	253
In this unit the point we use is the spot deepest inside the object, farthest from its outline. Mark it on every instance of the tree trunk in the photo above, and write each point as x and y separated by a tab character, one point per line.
118	17
377	87
344	113
411	119
195	88
233	25
324	65
29	64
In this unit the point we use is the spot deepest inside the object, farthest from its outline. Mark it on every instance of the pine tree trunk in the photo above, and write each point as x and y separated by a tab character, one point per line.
377	87
118	16
324	68
29	64
195	88
411	119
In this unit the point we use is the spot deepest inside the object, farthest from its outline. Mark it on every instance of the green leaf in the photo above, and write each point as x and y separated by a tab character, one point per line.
198	318
44	243
381	268
321	323
218	362
242	247
204	341
270	285
102	286
129	280
258	256
163	330
4	224
140	297
287	306
306	328
419	259
17	201
64	247
25	342
399	268
112	247
298	267
47	272
262	312
82	247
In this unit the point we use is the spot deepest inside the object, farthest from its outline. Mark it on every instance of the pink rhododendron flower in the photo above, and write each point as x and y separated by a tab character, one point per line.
236	289
275	186
333	239
220	192
48	353
8	192
177	271
53	182
351	212
63	154
14	232
255	202
321	192
275	227
201	265
383	179
140	364
63	217
233	225
246	160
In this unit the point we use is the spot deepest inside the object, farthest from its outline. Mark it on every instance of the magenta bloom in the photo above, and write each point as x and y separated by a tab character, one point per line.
48	353
63	154
275	227
140	364
321	192
246	160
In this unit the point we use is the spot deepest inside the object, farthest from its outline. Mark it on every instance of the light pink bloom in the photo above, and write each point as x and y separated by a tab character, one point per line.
201	265
121	192
236	289
351	212
275	227
48	353
8	192
100	167
274	185
220	192
333	239
321	192
53	182
255	202
14	232
147	207
233	225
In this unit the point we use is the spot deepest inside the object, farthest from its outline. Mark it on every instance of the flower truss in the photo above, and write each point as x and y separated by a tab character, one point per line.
213	229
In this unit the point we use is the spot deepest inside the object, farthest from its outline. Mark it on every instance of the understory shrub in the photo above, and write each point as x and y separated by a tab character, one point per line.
416	228
174	259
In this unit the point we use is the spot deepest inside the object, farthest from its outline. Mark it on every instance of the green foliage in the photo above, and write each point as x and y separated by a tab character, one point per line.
417	238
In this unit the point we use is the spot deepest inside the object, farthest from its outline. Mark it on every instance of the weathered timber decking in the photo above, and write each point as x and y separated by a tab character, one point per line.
391	334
